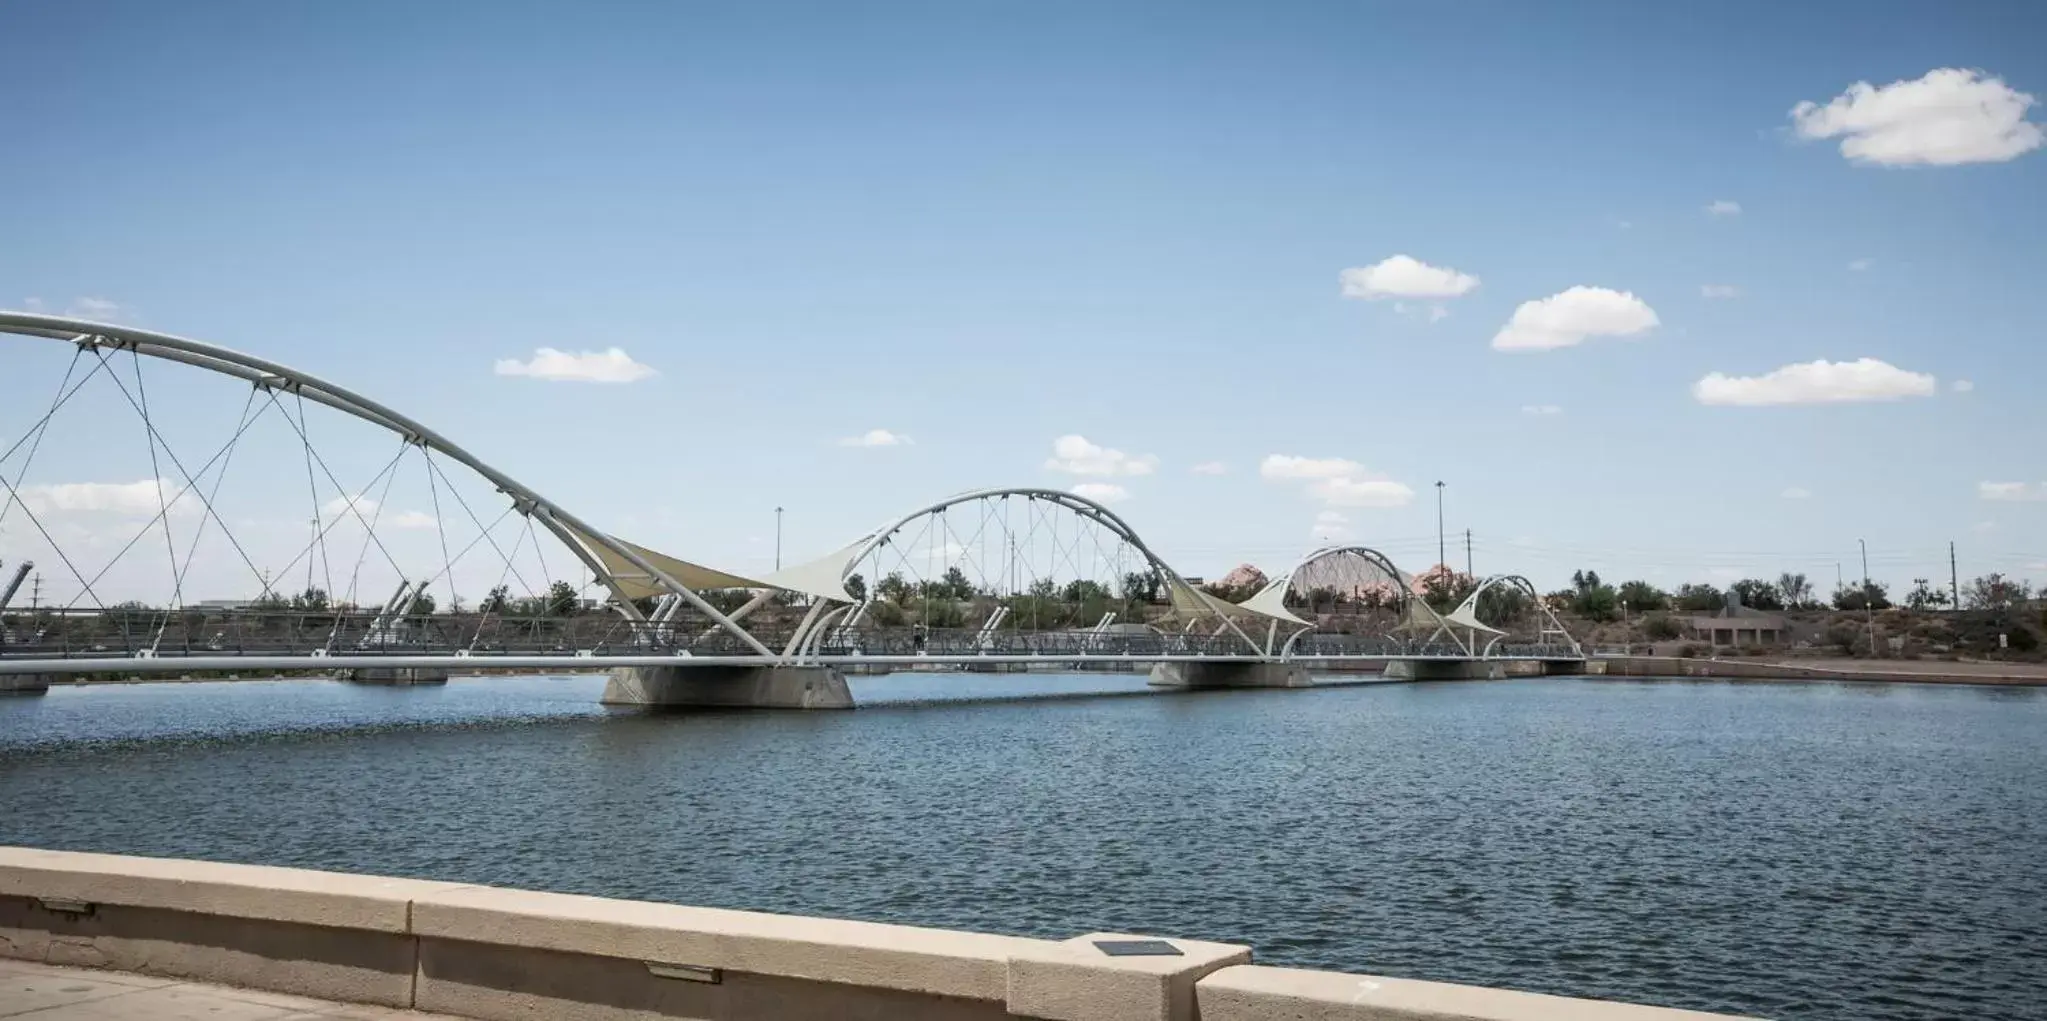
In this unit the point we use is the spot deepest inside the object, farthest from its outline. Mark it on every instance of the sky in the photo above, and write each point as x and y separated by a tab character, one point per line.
1680	292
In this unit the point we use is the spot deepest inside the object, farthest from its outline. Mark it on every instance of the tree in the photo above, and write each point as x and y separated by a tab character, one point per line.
1925	597
856	586
422	605
1757	594
1597	602
1995	592
1141	586
1660	628
1797	591
498	599
1444	588
311	600
1584	580
1643	597
1082	591
1873	595
893	588
1698	598
952	585
561	600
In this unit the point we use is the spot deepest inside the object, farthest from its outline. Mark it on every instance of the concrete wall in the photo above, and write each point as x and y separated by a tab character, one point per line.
777	687
490	953
24	684
1227	674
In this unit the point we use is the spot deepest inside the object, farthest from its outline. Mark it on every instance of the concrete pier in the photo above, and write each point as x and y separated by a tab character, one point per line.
729	687
399	676
1445	670
1228	675
24	684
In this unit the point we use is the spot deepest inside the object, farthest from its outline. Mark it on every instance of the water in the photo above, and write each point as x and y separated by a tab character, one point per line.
1801	851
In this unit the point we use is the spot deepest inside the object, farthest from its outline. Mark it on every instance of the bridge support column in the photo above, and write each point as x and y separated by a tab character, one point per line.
398	676
1445	670
1228	675
734	687
24	684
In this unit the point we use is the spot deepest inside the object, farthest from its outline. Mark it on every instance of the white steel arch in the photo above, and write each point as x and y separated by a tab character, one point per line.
570	530
1466	613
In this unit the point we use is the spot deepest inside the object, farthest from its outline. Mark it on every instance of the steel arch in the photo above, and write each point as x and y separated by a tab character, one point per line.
1469	607
272	375
1078	505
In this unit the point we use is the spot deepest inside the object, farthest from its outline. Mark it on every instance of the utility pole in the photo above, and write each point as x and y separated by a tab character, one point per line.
1467	555
35	593
778	538
1868	597
1954	578
1442	556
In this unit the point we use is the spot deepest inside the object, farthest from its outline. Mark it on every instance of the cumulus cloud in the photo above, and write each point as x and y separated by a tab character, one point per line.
1210	468
1368	492
1336	481
1570	317
1286	466
1075	455
1402	276
875	438
1946	117
612	365
1796	493
143	498
1817	382
1860	265
1961	386
1101	492
1719	291
338	506
1331	526
412	519
2012	491
1723	207
1541	409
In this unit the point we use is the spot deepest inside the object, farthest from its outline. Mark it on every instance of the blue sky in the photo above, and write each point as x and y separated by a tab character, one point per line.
984	227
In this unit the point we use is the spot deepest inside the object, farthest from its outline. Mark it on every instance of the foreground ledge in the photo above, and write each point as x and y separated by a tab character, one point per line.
489	953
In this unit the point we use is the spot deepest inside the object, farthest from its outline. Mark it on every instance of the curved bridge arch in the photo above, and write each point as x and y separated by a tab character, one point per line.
1271	599
1466	612
578	536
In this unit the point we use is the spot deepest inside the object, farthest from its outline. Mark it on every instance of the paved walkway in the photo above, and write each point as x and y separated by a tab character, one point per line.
39	992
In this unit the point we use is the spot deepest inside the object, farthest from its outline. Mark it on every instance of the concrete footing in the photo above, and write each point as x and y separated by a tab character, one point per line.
24	684
1445	670
1228	675
398	676
772	687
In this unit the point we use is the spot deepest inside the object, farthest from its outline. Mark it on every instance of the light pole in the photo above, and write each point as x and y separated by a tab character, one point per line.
778	538
1868	597
1442	549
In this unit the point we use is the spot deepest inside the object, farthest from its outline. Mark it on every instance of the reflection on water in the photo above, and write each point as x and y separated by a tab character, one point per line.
1791	850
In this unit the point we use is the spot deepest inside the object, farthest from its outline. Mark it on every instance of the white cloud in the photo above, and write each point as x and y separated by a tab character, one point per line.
1403	276
1367	492
1947	117
127	498
1817	382
1210	468
875	438
1541	409
1719	291
338	507
1331	525
1860	265
1961	386
1796	493
1568	318
1286	466
1074	455
1723	207
1336	481
412	519
1101	492
612	365
2012	491
95	308
32	304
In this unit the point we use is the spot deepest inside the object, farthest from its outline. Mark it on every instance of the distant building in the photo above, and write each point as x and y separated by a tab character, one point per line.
1738	625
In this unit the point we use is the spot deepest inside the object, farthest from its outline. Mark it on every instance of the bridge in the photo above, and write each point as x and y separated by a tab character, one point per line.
141	469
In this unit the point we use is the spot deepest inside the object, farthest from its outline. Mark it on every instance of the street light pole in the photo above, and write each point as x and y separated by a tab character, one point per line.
1442	548
1868	597
778	538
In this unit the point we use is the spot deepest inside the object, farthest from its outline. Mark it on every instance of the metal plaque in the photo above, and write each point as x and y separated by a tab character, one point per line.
1137	948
